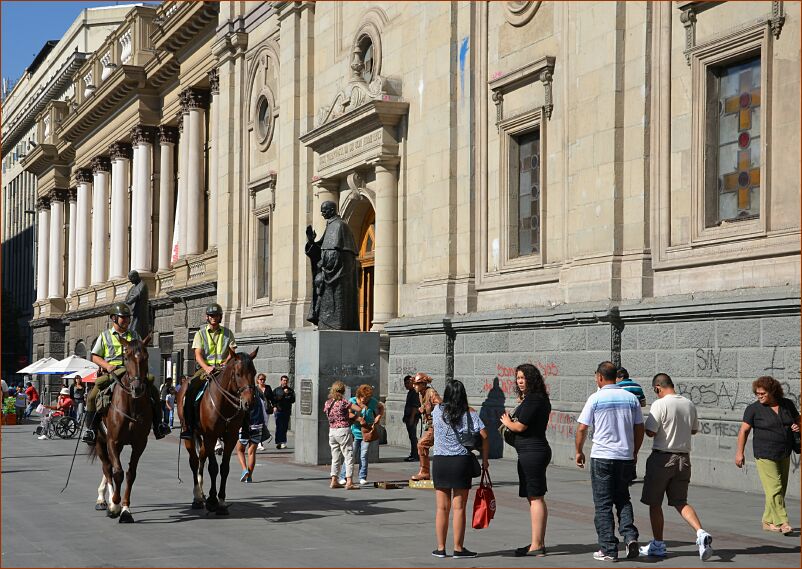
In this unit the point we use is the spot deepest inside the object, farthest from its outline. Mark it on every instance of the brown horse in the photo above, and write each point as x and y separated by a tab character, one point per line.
223	407
127	422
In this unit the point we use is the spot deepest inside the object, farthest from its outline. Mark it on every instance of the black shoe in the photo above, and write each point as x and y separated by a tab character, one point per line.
465	554
89	437
439	553
187	435
632	549
411	459
158	431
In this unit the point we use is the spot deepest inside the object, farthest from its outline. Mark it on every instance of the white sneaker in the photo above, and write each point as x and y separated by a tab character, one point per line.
341	481
704	541
42	437
362	481
260	447
654	549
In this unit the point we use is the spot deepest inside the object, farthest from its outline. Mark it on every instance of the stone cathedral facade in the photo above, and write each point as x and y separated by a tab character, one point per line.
550	182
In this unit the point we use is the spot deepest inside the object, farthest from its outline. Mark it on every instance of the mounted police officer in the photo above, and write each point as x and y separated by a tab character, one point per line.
108	354
213	345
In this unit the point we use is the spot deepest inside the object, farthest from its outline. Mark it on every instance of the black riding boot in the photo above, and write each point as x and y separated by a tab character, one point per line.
158	426
189	418
91	421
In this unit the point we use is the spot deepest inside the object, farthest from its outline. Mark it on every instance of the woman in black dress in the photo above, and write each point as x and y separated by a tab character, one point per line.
534	453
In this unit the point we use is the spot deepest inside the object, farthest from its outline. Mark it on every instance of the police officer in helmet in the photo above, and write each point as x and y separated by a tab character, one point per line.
107	352
213	345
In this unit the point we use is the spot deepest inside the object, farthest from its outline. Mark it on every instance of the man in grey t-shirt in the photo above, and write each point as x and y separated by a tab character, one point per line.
671	422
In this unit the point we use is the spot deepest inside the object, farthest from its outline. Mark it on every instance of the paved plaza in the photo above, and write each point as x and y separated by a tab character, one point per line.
290	518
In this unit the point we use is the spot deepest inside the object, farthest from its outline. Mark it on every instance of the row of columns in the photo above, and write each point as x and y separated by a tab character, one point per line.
97	246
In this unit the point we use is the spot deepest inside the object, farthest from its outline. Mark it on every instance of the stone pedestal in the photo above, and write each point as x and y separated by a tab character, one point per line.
321	358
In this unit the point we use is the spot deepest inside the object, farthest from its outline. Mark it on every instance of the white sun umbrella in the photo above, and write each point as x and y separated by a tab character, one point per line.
69	364
37	365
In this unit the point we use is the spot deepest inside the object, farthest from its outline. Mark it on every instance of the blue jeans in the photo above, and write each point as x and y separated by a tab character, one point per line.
361	454
282	424
610	483
30	409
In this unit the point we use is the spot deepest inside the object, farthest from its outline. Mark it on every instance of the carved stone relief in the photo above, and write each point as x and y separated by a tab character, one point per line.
520	13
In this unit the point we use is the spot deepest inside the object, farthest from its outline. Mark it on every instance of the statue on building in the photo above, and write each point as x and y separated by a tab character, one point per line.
334	273
137	301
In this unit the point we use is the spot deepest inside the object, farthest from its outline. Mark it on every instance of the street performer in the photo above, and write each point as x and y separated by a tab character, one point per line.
213	346
428	399
108	354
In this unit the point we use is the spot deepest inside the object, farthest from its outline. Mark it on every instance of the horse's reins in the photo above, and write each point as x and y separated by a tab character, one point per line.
235	400
130	392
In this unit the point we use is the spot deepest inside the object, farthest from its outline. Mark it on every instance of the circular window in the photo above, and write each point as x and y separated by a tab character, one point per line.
366	47
263	118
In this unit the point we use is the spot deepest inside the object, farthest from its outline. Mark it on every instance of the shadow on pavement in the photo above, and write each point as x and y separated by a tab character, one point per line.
275	510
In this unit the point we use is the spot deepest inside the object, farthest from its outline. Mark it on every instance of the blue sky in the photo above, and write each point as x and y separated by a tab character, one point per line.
26	26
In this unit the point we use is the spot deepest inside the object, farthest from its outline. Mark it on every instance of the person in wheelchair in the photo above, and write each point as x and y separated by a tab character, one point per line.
63	407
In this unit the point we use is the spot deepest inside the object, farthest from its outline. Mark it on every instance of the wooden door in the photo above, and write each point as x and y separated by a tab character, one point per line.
367	247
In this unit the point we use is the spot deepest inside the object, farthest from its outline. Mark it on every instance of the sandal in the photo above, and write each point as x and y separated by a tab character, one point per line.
351	487
785	529
335	485
771	527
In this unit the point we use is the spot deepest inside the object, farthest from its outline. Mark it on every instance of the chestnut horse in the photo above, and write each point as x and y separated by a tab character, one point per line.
222	409
127	422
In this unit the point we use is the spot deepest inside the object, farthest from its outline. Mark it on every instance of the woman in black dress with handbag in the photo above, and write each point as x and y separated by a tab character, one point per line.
534	452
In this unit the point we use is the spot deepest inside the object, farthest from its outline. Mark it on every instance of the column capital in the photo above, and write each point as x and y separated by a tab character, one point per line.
101	164
83	176
168	134
58	195
192	98
120	151
142	134
385	162
72	194
43	203
214	81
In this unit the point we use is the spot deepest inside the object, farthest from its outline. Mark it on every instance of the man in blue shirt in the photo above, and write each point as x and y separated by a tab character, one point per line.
622	377
617	423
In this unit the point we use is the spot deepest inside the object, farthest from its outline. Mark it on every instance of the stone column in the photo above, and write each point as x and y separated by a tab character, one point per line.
196	189
324	190
142	199
100	220
83	219
180	231
72	201
214	101
120	172
168	136
55	287
43	251
385	288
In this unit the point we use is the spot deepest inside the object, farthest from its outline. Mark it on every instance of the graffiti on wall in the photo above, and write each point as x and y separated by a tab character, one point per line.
506	376
562	423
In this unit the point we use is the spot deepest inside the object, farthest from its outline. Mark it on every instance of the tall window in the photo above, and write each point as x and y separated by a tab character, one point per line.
525	194
732	188
263	257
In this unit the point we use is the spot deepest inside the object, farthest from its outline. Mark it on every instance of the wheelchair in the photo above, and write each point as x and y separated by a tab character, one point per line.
60	425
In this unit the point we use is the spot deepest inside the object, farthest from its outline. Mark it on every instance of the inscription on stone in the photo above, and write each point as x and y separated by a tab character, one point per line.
306	397
349	149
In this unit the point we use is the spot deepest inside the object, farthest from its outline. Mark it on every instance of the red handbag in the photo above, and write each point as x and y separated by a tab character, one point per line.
484	505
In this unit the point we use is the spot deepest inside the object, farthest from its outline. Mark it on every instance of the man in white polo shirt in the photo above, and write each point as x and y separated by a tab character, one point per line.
617	423
672	421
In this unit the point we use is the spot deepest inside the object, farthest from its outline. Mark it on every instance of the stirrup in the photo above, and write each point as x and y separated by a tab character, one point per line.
187	435
89	437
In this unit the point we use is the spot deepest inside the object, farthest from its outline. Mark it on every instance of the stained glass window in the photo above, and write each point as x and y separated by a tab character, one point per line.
525	194
736	88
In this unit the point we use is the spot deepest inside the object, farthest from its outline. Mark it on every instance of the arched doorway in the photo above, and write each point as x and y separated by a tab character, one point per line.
367	248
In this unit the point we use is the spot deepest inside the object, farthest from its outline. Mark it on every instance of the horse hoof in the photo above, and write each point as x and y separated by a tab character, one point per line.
222	511
126	517
112	514
197	504
101	506
211	505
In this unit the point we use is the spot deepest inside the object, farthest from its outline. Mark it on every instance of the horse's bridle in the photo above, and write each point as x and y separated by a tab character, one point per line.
126	387
234	398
